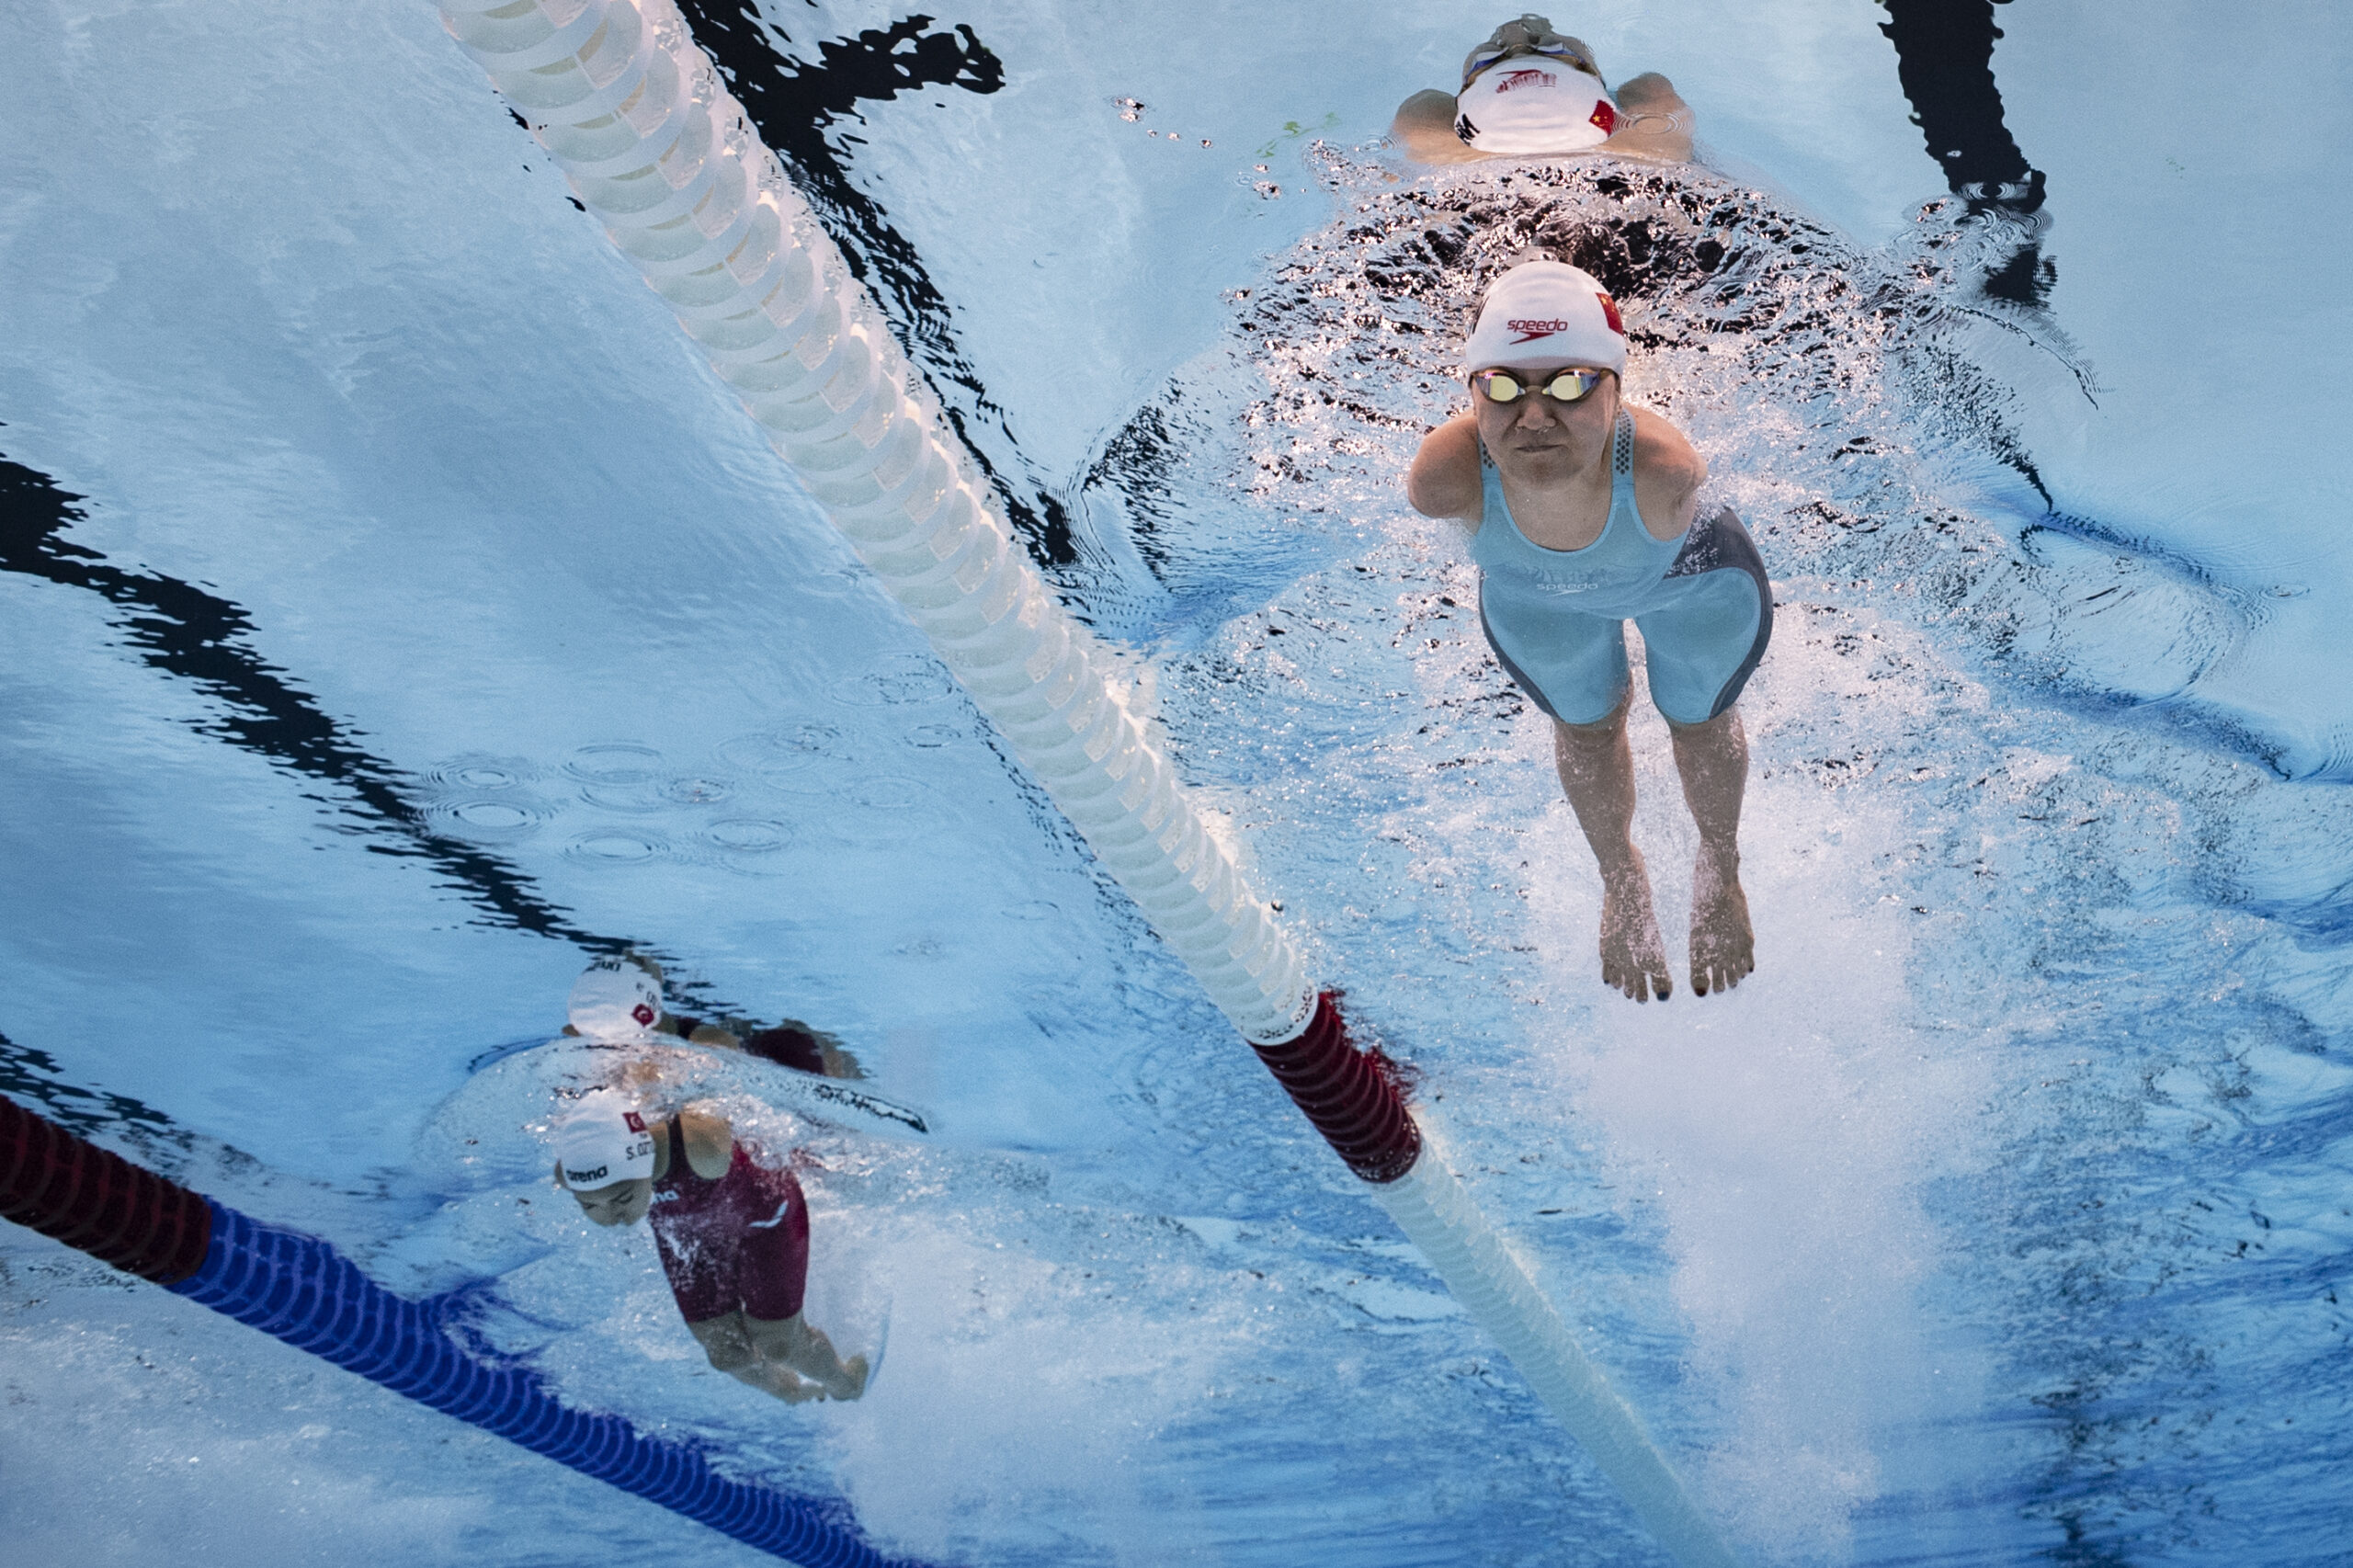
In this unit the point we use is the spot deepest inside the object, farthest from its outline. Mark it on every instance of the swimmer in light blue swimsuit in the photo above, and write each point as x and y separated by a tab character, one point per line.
1586	517
1556	617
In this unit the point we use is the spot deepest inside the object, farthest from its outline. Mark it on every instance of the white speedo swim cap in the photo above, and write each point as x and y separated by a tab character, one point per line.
1544	313
601	1143
615	1000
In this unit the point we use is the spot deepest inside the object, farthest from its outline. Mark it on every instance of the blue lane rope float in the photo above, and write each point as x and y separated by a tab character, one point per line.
301	1290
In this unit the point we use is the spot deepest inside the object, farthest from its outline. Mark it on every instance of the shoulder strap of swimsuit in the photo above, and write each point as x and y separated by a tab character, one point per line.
1491	489
1621	448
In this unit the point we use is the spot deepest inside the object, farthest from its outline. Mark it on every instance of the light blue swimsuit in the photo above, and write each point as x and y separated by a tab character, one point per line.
1554	617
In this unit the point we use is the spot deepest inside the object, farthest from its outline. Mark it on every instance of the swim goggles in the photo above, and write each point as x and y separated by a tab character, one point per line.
1568	49
1565	386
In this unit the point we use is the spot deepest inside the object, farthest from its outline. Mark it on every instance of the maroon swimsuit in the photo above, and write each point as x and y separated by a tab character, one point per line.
740	1243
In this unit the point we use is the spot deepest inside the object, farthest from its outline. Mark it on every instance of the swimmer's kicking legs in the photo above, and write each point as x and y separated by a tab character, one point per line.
1598	775
788	1357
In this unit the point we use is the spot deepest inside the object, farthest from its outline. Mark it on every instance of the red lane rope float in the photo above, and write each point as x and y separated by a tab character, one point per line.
1351	1095
301	1290
54	1183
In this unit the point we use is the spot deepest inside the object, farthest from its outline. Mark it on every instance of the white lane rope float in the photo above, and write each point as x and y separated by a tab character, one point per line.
659	152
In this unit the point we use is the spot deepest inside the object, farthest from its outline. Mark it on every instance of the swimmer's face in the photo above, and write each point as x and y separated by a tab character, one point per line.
622	1203
1536	425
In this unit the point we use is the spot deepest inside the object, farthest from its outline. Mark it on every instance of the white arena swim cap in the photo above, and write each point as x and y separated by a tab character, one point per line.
615	1000
601	1143
1547	313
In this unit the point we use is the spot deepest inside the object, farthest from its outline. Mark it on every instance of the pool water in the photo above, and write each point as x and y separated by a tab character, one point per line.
396	613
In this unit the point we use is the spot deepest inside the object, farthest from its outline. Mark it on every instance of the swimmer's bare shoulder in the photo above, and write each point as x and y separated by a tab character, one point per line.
1668	471
1445	480
1424	127
1657	122
710	1142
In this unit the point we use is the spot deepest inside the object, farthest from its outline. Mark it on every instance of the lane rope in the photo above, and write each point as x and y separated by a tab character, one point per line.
300	1290
659	152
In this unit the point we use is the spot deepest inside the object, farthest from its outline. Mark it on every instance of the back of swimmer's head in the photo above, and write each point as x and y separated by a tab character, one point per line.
1540	313
615	999
603	1157
1528	34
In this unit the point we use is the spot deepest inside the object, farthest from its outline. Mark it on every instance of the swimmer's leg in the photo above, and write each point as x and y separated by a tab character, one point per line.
796	1343
1424	129
1711	627
730	1343
1713	760
1598	775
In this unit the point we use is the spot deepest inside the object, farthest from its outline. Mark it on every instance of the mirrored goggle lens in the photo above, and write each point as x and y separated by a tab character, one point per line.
1566	386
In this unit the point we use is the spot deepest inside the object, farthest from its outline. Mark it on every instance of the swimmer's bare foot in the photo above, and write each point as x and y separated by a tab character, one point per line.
852	1382
1724	948
781	1381
1633	957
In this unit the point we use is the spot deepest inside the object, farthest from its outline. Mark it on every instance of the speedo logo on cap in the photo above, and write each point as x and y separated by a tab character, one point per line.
1530	330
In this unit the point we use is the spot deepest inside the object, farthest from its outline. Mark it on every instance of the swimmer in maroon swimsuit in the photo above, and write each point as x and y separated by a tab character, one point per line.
733	1236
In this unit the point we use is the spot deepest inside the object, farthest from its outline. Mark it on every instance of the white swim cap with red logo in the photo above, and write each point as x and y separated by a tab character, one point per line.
1529	105
603	1142
615	1000
1544	313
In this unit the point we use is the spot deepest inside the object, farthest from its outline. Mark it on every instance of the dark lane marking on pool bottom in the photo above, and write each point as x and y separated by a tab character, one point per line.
792	102
186	632
30	1074
1943	58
